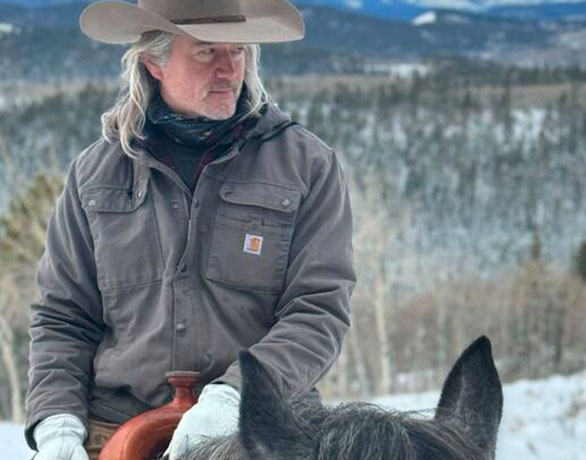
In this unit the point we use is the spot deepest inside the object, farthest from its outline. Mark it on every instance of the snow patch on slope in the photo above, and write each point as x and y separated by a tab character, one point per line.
354	4
429	17
6	28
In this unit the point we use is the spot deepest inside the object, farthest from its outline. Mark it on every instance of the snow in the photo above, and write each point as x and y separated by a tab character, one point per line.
12	441
528	2
354	4
542	419
396	69
6	28
482	5
575	40
429	17
466	5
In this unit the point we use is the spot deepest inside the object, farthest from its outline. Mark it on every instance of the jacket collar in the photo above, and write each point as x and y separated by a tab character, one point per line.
272	121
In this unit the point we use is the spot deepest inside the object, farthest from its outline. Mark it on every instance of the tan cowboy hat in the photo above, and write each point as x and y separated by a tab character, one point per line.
215	21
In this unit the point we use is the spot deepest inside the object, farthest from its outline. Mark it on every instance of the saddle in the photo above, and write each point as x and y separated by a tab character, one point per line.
146	436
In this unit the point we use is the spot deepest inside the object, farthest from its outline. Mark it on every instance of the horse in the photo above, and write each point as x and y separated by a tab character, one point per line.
464	426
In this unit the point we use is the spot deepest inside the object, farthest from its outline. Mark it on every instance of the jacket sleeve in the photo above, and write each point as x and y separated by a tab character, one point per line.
66	323
313	312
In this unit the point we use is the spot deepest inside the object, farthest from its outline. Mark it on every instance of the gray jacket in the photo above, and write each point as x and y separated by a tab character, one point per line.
141	276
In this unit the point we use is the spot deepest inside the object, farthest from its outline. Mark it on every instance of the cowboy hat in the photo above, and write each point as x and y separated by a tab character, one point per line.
215	21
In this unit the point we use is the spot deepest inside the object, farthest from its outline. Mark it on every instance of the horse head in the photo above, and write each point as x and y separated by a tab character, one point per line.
464	427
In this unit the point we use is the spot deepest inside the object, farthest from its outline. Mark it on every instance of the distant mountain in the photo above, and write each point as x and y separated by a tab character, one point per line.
409	9
545	11
59	15
36	42
450	32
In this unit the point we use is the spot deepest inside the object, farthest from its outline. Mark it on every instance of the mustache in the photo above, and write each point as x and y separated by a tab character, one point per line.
223	87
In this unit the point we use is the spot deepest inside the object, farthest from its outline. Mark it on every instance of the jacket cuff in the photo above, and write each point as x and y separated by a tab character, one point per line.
231	377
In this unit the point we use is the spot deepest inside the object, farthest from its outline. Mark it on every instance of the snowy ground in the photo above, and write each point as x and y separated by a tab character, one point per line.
12	441
543	420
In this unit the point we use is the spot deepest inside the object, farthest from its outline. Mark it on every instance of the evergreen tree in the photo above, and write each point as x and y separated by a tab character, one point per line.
23	227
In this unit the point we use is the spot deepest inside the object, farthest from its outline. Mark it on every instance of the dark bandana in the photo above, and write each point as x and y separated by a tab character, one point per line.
209	139
200	132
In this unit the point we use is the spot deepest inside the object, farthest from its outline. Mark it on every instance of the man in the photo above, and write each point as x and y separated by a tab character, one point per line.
204	222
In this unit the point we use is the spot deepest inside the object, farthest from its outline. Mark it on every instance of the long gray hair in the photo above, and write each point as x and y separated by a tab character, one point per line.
125	121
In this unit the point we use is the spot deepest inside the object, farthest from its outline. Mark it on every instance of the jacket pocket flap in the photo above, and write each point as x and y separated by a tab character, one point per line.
263	195
109	199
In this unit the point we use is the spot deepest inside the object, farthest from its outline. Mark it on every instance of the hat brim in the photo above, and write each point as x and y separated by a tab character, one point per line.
267	21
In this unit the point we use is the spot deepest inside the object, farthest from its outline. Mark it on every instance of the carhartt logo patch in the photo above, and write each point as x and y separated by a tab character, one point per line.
253	244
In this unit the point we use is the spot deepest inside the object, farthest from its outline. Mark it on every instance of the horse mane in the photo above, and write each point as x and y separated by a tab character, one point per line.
361	430
367	431
218	448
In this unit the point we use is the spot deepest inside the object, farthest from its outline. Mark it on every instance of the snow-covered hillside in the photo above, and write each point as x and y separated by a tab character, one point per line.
408	9
543	419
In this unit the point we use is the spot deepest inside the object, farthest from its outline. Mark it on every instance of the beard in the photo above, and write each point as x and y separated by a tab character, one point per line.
219	105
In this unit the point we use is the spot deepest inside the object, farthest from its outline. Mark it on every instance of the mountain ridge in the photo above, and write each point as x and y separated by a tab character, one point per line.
407	10
343	40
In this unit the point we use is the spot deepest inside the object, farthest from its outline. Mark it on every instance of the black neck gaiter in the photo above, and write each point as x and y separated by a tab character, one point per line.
198	133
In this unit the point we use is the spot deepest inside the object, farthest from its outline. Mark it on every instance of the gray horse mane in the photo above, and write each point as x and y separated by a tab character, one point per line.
219	448
340	431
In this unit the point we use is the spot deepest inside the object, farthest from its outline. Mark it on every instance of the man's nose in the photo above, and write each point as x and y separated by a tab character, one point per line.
226	65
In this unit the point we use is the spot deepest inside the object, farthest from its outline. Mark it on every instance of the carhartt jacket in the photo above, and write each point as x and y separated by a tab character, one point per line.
141	276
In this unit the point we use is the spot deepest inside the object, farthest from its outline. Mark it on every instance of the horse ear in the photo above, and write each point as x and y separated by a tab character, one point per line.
268	426
472	396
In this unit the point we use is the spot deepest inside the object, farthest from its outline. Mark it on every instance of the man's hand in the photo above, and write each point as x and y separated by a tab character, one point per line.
215	414
60	437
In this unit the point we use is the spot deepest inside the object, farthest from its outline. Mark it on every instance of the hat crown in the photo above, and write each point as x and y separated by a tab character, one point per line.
181	10
215	21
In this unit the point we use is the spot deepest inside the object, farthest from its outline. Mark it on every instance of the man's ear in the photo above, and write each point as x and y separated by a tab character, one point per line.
268	427
155	71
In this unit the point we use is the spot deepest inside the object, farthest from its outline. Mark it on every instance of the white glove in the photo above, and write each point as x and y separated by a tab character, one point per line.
215	414
60	437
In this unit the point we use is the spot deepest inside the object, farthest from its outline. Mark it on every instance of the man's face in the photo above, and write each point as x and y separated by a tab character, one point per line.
201	79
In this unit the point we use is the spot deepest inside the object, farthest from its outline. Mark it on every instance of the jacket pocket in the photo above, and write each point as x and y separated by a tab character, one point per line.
251	236
126	242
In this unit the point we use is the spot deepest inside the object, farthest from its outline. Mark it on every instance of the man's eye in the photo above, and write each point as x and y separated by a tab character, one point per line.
205	55
238	50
